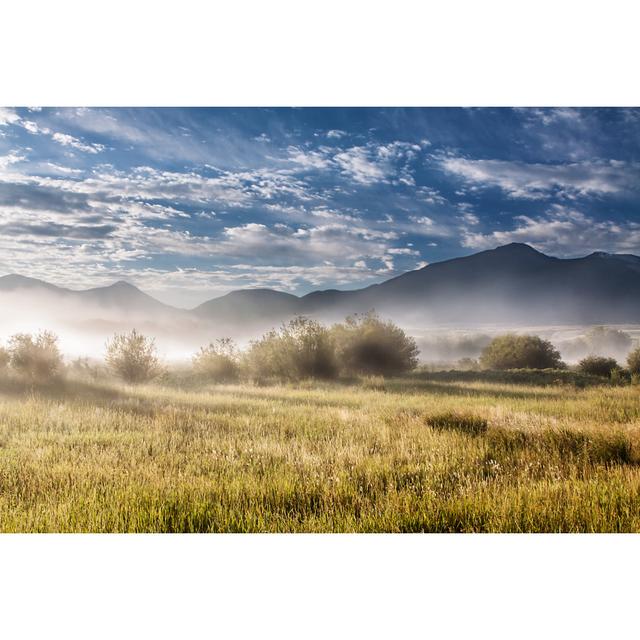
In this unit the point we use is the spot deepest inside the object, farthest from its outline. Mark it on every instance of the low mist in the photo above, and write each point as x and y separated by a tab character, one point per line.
83	329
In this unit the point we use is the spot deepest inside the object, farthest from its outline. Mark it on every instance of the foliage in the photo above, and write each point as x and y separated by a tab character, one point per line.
367	345
598	366
218	361
633	362
36	358
133	357
302	348
512	351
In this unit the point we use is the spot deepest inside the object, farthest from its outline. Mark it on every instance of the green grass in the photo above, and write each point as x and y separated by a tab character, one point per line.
426	453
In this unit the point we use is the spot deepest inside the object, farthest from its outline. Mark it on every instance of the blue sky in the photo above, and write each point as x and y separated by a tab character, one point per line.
191	203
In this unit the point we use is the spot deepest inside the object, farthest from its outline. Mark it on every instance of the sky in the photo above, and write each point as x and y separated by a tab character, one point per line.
191	203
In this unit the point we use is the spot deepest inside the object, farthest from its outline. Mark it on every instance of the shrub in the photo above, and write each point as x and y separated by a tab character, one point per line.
367	345
133	357
36	358
302	348
218	361
466	423
520	352
633	362
598	366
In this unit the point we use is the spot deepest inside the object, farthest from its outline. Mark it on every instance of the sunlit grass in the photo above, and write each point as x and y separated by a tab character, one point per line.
363	456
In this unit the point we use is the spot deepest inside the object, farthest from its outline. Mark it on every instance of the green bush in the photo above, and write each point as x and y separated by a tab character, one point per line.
36	358
218	361
133	357
367	345
598	366
302	348
633	362
512	351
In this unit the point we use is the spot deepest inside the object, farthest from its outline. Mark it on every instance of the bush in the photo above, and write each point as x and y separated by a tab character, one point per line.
366	345
598	366
633	362
36	358
218	361
133	358
520	352
302	348
466	423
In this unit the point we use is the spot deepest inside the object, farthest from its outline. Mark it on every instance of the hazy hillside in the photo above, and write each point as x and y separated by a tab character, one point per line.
513	285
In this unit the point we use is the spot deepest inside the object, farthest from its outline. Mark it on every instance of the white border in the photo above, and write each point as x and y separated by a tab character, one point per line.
335	52
313	586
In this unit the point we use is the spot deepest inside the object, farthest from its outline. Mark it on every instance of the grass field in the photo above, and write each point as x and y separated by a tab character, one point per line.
428	453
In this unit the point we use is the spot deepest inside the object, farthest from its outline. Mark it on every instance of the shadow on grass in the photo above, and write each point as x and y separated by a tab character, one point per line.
61	389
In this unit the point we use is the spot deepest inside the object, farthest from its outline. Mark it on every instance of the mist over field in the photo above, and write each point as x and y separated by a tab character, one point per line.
83	329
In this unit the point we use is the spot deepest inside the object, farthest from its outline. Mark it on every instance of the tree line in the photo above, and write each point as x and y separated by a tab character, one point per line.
361	345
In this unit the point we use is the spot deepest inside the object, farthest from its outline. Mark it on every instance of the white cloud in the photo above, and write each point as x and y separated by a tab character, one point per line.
8	116
537	181
367	164
563	232
69	141
336	134
9	159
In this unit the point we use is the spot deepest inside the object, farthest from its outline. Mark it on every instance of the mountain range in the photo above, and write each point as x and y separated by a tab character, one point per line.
513	283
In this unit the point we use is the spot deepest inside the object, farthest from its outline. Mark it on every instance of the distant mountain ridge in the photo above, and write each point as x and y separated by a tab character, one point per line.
120	294
512	283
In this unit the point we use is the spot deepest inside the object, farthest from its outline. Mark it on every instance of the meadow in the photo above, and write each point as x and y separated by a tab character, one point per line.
425	452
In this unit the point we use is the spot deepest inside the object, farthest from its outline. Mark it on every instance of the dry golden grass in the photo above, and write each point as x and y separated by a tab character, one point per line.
321	457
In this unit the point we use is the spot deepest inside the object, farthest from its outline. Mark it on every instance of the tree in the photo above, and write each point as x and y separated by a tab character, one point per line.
133	357
302	348
633	362
511	351
365	344
218	361
598	366
35	357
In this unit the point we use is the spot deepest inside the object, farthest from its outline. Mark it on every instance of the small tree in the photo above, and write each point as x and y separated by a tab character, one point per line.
302	348
218	361
36	358
633	362
511	351
598	366
367	345
132	357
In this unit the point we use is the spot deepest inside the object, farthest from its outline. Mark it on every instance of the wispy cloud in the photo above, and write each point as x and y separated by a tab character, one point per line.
562	231
538	181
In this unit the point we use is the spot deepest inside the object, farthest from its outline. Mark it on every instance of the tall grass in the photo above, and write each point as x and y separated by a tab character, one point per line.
320	457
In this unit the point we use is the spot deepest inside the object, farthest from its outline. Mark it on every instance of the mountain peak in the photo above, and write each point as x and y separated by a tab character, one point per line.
517	247
124	285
